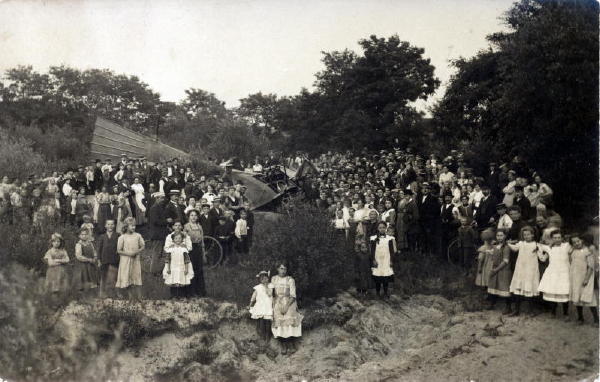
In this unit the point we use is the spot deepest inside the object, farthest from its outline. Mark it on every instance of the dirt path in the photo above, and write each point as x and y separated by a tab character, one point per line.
422	338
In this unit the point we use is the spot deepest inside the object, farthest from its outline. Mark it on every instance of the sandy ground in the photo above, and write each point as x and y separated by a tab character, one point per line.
421	338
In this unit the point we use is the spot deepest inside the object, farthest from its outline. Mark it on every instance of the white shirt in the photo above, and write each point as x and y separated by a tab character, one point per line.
241	228
66	189
257	168
505	222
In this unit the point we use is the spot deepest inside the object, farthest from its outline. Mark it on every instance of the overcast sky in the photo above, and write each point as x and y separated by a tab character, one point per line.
232	47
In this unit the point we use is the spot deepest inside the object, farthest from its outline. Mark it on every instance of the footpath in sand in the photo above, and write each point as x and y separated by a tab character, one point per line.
421	338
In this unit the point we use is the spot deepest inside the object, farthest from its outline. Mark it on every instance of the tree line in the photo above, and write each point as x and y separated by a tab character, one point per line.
532	92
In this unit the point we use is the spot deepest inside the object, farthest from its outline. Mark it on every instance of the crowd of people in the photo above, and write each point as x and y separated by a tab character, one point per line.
119	210
501	224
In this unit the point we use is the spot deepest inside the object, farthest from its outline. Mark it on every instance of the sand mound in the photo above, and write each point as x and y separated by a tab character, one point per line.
349	339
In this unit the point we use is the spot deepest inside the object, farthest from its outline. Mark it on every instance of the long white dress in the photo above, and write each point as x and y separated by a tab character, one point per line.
581	260
179	265
555	284
288	324
263	307
526	277
140	208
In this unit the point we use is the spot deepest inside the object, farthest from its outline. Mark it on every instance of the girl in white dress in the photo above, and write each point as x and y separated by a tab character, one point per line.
382	248
526	277
583	290
555	284
287	321
261	306
129	247
178	271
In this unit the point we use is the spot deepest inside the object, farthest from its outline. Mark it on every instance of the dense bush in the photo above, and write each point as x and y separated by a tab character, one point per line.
125	323
17	157
27	245
305	240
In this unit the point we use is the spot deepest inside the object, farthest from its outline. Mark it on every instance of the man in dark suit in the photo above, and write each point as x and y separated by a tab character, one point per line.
448	223
98	179
215	212
523	202
429	215
205	221
172	211
493	180
485	213
154	174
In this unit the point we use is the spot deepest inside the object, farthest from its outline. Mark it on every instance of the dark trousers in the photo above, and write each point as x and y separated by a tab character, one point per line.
263	328
429	240
227	249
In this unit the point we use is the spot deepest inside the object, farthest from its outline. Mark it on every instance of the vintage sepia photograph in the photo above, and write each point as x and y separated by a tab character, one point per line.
299	190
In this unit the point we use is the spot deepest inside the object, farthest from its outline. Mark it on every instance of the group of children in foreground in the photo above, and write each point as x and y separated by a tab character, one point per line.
112	261
511	270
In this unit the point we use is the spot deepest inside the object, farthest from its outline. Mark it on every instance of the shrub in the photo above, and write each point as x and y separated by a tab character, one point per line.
17	157
305	240
27	245
126	323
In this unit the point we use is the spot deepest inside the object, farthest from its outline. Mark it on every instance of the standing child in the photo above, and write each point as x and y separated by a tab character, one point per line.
484	258
178	271
261	306
555	283
109	258
56	258
85	273
340	224
87	224
583	291
526	276
129	247
500	274
466	242
241	236
383	247
223	236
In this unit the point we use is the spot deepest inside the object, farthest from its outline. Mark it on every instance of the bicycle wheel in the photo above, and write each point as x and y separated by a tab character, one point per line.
213	252
453	252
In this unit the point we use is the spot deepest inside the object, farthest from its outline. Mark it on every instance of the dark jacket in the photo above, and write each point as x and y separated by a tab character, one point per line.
207	225
173	211
485	211
157	221
429	211
107	249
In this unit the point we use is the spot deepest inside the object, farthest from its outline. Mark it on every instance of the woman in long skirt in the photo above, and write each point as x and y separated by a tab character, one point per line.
194	230
138	202
104	212
287	321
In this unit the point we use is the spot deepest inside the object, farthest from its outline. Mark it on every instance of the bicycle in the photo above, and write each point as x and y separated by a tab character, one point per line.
213	252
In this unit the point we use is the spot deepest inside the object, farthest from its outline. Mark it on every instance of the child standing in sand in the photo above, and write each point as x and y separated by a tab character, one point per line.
583	290
500	274
555	283
56	258
129	247
526	277
178	271
261	306
484	263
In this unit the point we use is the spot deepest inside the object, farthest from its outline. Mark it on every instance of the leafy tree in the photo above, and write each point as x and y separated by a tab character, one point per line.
535	93
260	111
363	100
